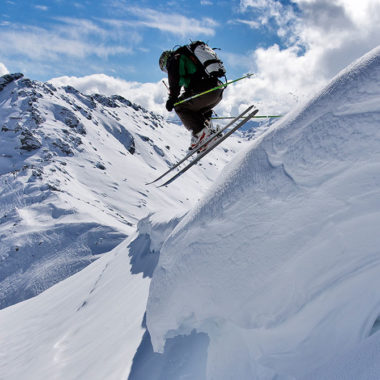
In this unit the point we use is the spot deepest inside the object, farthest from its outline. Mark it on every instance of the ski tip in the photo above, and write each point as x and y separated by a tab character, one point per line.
167	182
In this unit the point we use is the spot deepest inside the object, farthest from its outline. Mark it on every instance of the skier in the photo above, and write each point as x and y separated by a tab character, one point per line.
195	114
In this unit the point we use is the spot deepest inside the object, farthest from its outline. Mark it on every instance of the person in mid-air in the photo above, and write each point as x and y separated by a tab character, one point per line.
184	72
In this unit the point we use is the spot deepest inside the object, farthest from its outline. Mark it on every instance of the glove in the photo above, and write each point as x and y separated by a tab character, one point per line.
170	104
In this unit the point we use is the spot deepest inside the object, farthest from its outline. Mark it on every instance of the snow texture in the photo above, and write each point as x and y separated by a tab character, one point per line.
279	265
274	274
145	248
73	169
86	327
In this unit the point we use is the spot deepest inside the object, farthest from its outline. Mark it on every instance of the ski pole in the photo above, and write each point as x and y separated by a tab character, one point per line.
253	117
212	89
166	85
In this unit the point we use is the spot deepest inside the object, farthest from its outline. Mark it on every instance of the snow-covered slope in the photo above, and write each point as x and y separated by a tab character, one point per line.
279	265
86	327
90	325
73	170
273	275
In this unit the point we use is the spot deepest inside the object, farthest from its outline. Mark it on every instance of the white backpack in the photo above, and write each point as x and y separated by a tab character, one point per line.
207	58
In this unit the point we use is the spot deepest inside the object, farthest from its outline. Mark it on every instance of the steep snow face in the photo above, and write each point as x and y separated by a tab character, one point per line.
86	327
91	325
73	170
280	263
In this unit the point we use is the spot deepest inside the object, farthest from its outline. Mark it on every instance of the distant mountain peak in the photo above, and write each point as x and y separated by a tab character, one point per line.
73	169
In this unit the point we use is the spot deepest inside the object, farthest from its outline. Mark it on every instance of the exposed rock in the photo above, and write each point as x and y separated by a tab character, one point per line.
70	119
100	166
8	78
29	142
106	101
63	147
132	148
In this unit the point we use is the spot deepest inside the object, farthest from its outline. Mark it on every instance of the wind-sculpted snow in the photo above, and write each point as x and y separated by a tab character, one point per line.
91	325
280	263
145	247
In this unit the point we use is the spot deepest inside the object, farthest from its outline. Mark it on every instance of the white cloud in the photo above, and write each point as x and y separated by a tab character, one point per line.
77	27
3	69
168	22
41	7
340	33
75	38
173	22
41	44
281	79
151	96
252	24
245	4
319	39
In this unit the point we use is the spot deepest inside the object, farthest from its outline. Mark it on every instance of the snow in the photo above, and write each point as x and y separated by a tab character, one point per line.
361	362
80	232
279	263
73	170
77	328
269	271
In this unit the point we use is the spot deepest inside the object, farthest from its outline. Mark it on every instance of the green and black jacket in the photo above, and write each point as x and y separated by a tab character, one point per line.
183	72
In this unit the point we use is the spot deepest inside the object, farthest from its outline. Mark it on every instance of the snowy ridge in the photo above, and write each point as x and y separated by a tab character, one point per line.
274	274
60	209
87	326
90	325
73	169
274	264
145	248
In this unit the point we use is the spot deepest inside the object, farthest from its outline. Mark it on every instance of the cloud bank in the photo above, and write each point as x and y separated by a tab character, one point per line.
318	39
174	23
151	96
3	69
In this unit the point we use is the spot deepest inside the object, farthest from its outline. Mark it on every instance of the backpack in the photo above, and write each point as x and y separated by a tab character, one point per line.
204	58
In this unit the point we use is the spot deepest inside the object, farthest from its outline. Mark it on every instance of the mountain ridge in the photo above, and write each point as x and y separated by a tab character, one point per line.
277	256
73	170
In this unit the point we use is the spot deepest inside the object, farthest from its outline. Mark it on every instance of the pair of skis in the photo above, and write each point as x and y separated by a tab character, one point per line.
212	142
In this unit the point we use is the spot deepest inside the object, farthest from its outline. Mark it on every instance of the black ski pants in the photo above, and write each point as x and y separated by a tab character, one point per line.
195	114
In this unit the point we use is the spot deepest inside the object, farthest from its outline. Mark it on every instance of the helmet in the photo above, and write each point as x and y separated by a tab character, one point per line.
164	59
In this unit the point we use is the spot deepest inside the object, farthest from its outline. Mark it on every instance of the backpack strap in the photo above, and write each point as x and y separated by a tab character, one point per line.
187	51
187	69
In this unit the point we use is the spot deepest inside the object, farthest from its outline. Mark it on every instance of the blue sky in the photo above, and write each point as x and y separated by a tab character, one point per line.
293	47
122	38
